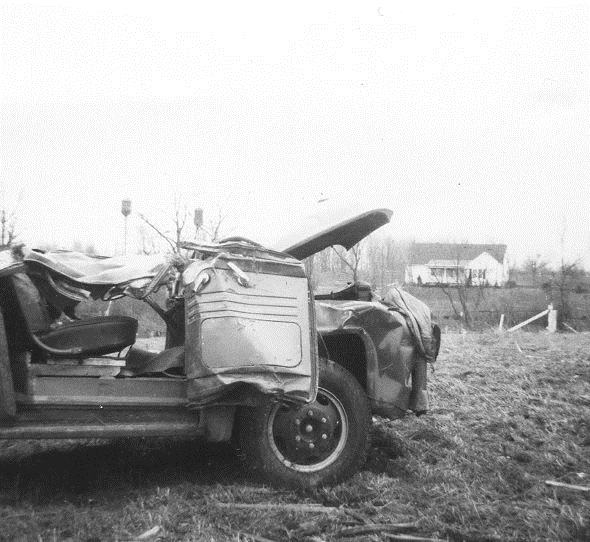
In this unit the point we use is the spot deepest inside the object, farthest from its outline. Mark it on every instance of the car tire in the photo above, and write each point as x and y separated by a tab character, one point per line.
320	443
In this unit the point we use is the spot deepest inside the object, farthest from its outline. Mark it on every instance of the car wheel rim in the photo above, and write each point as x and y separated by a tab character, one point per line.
311	437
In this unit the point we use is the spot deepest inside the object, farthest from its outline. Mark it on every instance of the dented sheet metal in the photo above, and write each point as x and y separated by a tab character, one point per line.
418	317
249	326
93	271
396	379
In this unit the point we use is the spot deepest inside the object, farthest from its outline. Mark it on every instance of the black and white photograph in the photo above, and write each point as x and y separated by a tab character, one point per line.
294	272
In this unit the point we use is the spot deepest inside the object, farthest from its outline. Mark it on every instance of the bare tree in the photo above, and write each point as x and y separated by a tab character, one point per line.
379	260
386	260
333	261
215	224
159	232
565	280
8	232
565	277
535	267
322	261
181	224
352	259
464	297
8	229
175	232
147	239
181	217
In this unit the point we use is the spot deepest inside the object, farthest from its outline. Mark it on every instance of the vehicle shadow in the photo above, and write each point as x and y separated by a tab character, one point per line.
95	471
106	470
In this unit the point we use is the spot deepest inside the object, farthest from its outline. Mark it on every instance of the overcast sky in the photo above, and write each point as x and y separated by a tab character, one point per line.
470	121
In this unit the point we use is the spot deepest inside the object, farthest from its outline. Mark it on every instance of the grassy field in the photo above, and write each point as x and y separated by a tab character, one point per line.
517	304
509	412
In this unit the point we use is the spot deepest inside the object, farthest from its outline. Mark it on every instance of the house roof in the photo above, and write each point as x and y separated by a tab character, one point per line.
423	253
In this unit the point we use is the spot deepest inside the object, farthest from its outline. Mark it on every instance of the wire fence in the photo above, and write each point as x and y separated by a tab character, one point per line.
485	319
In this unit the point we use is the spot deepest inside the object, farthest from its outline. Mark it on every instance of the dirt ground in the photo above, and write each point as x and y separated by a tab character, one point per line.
509	413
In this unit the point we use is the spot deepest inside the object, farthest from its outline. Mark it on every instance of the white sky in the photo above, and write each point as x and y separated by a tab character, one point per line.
470	121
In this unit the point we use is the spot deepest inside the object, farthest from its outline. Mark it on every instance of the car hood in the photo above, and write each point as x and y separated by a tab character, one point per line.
320	232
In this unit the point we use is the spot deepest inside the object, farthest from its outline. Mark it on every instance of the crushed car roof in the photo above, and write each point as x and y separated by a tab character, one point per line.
346	233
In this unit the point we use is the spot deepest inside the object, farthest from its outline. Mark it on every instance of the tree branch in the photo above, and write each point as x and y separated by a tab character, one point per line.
356	253
163	236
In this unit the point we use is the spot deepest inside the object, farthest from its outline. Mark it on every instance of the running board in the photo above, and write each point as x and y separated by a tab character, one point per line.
72	424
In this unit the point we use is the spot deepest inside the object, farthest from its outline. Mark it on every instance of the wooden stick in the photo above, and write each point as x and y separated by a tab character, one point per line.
410	538
150	533
358	516
376	528
532	319
308	508
567	486
565	324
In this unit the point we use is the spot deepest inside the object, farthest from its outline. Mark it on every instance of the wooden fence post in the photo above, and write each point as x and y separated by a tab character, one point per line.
501	326
551	319
532	319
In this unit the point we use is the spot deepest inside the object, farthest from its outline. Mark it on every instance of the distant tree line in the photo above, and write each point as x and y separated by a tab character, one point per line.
380	261
8	234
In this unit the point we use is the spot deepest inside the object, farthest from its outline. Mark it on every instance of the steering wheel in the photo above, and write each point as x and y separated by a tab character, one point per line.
238	239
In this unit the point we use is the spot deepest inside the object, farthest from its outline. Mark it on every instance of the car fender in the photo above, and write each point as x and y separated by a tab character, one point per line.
394	371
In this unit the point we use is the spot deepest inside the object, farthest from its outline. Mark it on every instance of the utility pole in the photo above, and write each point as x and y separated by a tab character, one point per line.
125	211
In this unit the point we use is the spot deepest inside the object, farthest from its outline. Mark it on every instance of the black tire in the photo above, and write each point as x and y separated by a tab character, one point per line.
321	443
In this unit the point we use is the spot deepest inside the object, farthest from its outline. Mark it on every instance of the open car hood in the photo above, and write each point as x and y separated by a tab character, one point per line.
330	232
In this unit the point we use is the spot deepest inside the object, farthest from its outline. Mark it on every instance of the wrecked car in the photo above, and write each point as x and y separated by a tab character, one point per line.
249	353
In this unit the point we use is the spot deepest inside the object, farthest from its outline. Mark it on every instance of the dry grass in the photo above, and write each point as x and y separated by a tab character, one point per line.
517	304
509	412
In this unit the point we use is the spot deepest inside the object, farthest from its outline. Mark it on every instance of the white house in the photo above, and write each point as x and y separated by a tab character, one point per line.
457	263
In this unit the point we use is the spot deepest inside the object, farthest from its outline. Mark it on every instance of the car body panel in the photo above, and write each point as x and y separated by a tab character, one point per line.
395	369
92	271
249	323
322	233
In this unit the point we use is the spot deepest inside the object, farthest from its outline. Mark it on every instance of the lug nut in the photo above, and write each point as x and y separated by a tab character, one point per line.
324	420
311	445
298	438
324	436
310	412
297	421
308	428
